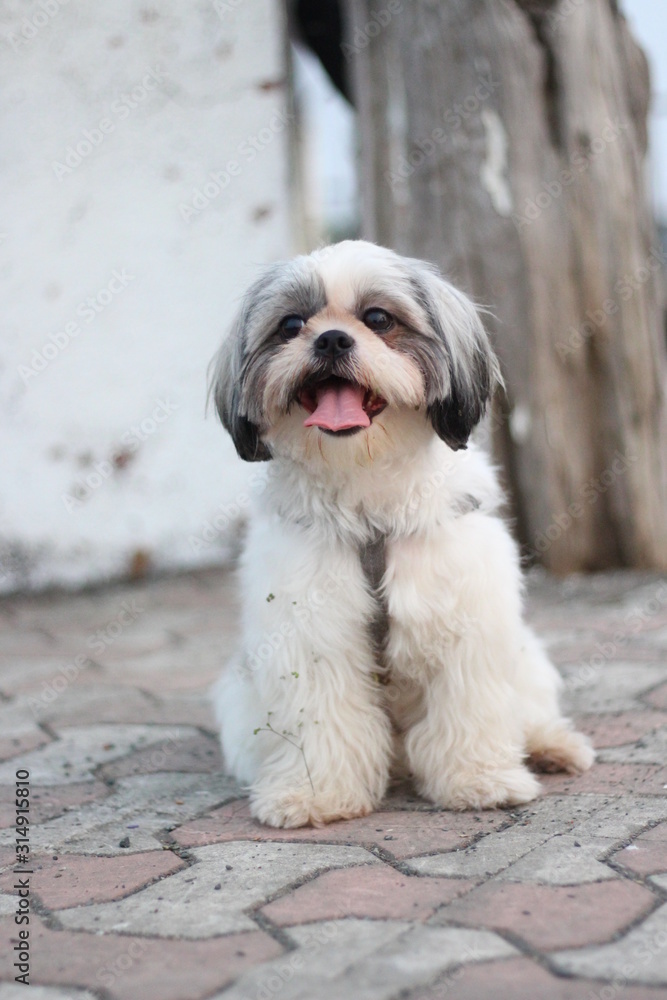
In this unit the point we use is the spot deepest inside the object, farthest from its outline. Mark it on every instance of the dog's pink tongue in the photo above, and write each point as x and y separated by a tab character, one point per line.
339	407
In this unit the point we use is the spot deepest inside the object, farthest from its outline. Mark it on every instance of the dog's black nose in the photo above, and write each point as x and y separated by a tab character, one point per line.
333	344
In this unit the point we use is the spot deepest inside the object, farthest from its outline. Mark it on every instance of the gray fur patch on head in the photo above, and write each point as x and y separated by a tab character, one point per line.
239	370
460	369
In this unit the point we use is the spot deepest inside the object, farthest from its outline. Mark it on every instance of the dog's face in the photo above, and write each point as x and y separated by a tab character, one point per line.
339	347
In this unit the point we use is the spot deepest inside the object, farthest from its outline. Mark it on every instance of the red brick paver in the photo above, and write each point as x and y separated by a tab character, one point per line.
45	803
612	730
551	917
378	893
401	833
200	754
72	879
15	745
131	967
618	779
658	697
647	855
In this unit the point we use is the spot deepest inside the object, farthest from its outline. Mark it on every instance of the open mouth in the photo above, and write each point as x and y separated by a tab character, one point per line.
338	406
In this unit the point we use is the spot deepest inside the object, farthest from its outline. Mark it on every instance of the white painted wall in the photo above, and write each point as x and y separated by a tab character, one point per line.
168	94
117	279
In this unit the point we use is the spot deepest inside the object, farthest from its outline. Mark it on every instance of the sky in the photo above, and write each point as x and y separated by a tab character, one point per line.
648	19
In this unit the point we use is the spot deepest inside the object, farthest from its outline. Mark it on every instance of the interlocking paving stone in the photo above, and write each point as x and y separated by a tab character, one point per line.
162	670
19	728
617	729
13	746
130	967
563	860
378	892
613	687
647	855
551	917
371	908
622	818
89	702
496	851
613	778
72	879
187	904
15	991
522	979
658	697
586	651
150	803
46	803
399	832
367	960
80	749
488	857
649	749
40	678
199	753
107	701
640	956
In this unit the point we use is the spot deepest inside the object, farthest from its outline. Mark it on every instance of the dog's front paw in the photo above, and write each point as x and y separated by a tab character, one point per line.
295	807
490	789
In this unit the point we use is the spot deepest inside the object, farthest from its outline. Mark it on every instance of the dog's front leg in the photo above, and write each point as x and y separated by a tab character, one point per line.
467	751
300	712
460	647
326	760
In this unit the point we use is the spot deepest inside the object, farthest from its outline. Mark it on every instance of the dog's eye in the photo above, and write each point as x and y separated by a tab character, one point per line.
290	327
378	320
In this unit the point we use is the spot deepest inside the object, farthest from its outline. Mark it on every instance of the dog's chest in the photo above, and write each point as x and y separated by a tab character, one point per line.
417	607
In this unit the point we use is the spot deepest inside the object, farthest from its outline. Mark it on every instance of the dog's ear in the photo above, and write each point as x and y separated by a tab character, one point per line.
228	389
458	392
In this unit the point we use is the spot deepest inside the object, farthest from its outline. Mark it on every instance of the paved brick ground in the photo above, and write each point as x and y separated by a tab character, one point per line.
151	880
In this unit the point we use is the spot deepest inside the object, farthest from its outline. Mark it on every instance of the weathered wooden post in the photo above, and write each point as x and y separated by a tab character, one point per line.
505	140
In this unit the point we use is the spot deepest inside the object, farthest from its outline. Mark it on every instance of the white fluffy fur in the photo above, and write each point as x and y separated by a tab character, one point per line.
305	722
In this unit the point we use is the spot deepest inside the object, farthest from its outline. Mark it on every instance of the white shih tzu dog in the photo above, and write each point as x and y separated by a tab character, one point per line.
382	593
